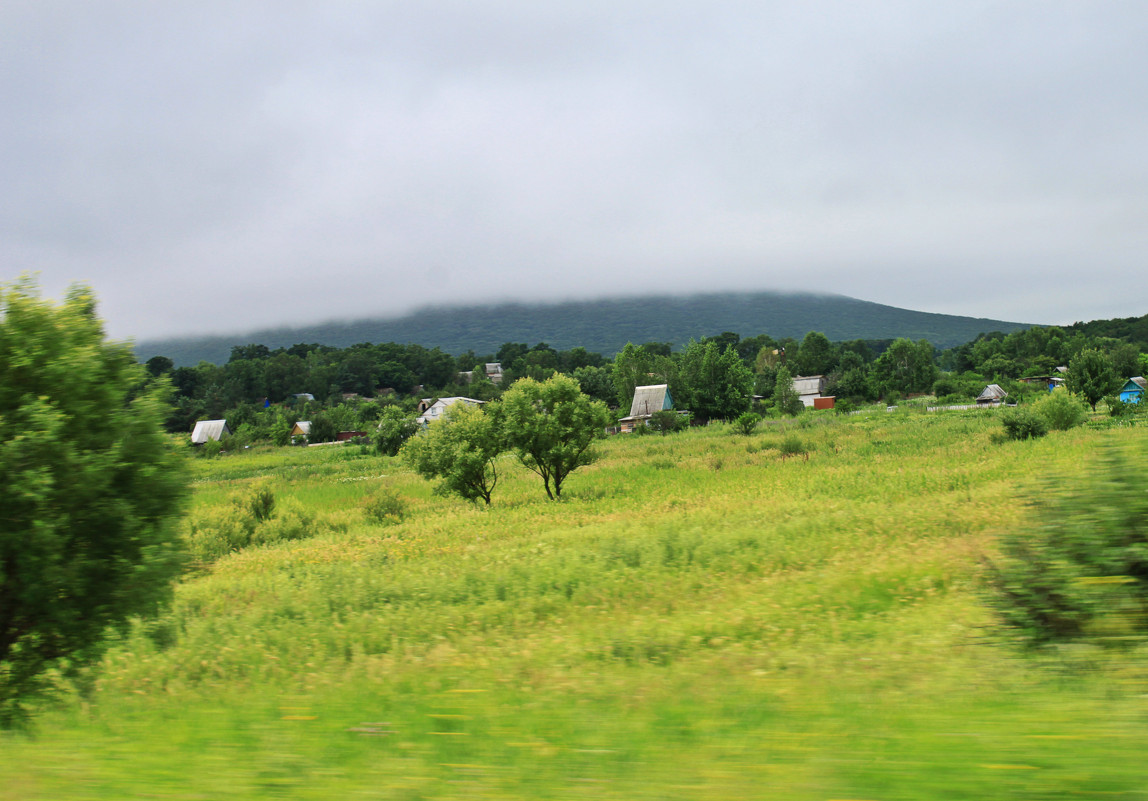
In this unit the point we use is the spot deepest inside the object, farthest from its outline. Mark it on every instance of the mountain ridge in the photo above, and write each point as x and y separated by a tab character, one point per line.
605	325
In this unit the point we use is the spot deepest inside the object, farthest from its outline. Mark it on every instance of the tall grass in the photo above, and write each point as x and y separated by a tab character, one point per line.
776	627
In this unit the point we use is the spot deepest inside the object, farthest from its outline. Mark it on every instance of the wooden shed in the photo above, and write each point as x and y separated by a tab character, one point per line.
992	395
209	430
647	400
1133	389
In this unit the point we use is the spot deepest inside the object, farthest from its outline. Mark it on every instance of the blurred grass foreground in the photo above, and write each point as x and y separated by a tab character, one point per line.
700	617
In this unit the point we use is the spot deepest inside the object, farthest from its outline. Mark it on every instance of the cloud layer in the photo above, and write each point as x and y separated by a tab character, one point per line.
219	166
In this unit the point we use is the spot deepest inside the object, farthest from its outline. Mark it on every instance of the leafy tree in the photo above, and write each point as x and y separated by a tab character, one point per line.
460	450
785	397
159	365
714	384
905	367
1091	376
91	491
395	428
816	355
551	425
597	382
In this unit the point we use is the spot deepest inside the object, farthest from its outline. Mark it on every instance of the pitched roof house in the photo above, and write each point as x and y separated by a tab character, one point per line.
209	429
1133	390
809	388
647	400
435	409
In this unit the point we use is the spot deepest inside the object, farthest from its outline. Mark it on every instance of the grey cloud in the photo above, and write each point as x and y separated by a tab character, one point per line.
223	166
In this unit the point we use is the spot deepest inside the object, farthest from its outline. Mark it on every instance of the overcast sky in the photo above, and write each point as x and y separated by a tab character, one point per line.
212	167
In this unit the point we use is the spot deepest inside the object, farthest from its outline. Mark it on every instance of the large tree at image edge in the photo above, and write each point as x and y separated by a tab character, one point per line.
91	490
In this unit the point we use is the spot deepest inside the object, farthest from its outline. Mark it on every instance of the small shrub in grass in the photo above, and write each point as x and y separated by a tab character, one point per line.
792	446
1081	572
292	521
1118	408
1023	424
746	423
385	507
258	501
667	421
1062	410
219	530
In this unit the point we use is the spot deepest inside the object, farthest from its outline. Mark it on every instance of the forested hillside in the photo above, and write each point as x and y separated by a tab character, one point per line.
605	326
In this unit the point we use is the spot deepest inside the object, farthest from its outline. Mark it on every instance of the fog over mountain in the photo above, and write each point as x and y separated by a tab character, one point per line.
212	167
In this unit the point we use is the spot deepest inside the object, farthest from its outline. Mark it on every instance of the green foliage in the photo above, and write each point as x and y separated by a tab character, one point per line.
713	384
91	489
395	427
666	421
747	423
904	368
792	445
250	518
1021	423
551	425
1080	571
460	450
785	397
817	356
1061	410
1119	408
385	507
1091	376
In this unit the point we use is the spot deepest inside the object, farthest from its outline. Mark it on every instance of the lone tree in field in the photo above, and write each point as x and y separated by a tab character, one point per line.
460	450
551	425
1091	376
90	492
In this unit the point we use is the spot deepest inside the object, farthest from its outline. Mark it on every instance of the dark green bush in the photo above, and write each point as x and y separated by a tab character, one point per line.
1023	424
667	421
746	423
1081	571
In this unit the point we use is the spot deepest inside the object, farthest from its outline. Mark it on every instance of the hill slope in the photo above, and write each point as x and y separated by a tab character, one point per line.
605	326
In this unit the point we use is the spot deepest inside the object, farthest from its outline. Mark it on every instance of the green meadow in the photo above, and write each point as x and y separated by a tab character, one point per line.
700	617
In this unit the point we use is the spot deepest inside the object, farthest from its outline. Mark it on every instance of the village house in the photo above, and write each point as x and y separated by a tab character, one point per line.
1133	389
811	390
647	400
301	431
433	408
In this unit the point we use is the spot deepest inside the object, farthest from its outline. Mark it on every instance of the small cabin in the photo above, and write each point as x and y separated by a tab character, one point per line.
647	400
992	395
1133	389
206	430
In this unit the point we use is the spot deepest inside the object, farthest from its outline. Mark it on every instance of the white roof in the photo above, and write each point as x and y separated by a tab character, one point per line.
209	429
439	406
649	399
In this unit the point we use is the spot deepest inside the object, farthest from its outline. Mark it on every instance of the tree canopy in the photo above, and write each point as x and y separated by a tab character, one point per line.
90	491
551	425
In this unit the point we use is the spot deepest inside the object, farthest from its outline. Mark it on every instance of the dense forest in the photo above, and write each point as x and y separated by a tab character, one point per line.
605	326
262	392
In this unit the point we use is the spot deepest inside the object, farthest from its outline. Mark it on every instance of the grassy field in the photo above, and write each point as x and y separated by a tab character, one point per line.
701	617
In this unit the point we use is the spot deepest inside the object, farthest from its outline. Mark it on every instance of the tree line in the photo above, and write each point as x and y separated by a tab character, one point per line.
262	392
